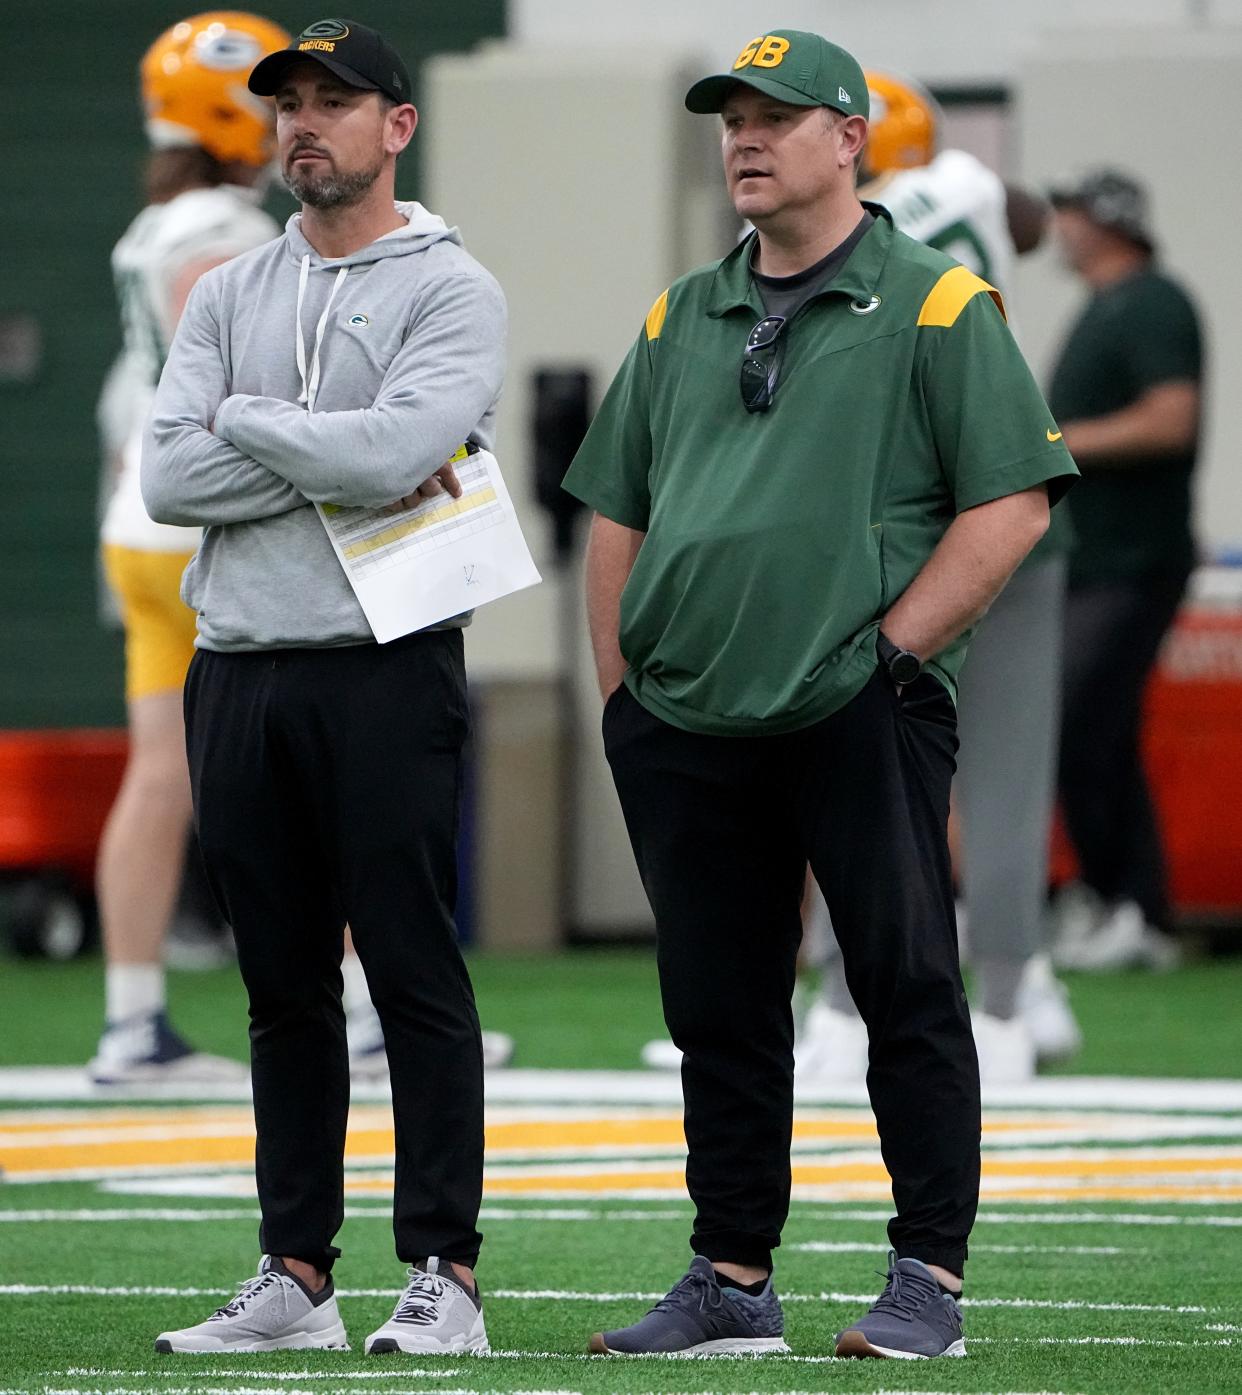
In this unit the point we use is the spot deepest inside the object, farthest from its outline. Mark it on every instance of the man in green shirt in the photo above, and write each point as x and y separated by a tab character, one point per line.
1126	390
819	463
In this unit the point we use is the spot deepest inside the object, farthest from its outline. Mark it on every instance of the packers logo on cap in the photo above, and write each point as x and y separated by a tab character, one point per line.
325	29
767	51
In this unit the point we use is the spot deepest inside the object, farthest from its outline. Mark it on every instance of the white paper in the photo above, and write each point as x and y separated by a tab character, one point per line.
411	568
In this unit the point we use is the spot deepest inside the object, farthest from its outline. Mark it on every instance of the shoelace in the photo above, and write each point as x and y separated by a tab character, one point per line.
709	1295
418	1302
248	1293
903	1295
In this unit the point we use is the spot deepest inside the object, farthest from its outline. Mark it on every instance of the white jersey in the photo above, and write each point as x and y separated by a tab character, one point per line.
955	204
199	225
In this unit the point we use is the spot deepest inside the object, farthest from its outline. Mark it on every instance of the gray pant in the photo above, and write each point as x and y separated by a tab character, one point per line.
1008	719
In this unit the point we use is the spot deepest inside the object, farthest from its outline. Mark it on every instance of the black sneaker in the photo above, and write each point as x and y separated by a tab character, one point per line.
699	1318
910	1320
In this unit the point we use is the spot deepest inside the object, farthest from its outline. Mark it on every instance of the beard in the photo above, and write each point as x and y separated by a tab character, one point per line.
333	190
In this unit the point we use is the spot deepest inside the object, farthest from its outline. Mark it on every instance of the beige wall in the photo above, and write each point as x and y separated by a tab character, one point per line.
581	182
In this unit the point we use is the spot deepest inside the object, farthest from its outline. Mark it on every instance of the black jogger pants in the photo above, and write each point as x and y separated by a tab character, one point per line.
327	785
722	830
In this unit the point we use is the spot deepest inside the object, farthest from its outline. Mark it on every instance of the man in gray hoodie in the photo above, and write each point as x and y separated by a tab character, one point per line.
343	363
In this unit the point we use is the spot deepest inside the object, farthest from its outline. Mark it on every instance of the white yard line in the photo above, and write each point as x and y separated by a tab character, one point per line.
64	1084
988	1216
579	1296
255	1390
139	1213
850	1247
235	1373
806	1213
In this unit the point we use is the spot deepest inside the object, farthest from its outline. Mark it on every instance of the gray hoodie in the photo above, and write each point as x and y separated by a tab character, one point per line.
293	379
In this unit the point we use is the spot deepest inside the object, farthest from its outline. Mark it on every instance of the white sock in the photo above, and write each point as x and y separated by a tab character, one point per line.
133	990
357	995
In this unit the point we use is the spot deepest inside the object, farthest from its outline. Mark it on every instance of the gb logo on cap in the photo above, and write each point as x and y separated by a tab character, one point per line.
767	51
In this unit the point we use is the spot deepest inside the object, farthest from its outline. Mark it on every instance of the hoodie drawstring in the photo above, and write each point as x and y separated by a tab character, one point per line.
310	387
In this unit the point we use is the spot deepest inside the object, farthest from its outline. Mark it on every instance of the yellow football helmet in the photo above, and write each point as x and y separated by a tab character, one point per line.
194	86
905	120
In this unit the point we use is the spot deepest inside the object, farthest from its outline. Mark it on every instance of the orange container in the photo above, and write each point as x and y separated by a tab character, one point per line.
56	788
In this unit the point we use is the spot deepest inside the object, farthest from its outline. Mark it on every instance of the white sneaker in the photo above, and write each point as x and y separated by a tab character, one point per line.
272	1312
1122	940
497	1049
1006	1051
368	1060
145	1051
832	1046
195	945
434	1314
1075	912
1043	1004
661	1054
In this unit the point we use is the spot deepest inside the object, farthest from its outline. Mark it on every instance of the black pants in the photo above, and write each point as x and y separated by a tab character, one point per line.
326	788
722	829
1113	632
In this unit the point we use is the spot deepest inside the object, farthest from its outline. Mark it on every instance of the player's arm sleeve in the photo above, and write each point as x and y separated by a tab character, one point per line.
992	430
612	469
1163	345
189	475
436	391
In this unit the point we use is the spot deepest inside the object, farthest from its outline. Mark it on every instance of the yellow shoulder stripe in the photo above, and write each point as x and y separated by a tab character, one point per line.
655	317
951	294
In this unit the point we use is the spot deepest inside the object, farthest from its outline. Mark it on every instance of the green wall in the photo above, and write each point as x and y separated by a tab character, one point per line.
73	150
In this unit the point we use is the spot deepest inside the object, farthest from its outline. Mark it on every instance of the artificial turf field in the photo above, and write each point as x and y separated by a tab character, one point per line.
1107	1257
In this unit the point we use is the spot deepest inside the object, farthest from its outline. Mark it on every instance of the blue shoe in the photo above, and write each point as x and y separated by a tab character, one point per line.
699	1318
910	1320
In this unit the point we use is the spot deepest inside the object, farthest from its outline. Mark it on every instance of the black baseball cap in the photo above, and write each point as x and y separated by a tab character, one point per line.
359	56
1111	200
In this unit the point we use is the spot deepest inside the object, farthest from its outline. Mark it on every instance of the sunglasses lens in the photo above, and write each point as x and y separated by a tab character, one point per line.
764	333
754	384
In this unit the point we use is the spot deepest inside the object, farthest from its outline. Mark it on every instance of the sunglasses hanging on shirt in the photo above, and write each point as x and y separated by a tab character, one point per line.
761	363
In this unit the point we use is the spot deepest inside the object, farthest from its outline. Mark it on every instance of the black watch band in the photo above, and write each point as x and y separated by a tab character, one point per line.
903	666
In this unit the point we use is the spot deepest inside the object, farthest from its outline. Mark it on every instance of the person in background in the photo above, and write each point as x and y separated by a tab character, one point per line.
819	463
1009	698
212	144
1127	391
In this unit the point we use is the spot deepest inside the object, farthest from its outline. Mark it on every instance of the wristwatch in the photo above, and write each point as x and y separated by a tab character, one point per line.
903	666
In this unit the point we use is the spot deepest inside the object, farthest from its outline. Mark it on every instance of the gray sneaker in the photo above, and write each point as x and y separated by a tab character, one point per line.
699	1318
434	1314
910	1320
272	1312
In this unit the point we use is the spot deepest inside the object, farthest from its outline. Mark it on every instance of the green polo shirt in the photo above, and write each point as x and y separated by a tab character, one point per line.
776	541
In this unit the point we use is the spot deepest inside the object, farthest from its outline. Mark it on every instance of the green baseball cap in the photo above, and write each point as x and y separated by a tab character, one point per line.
792	66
